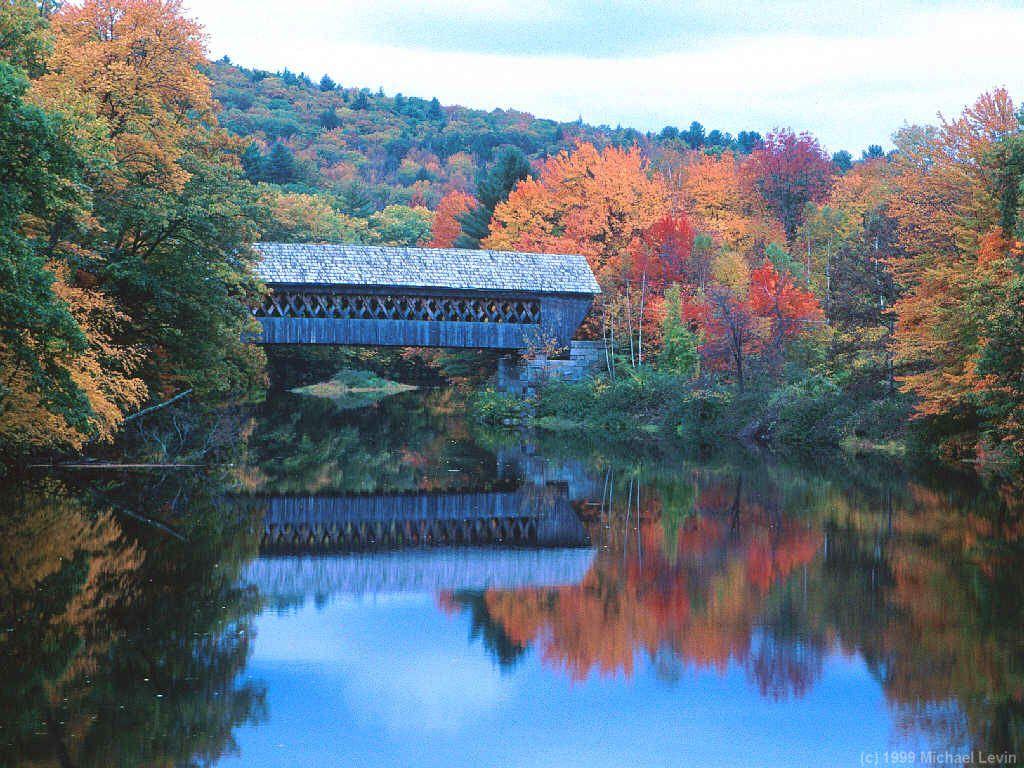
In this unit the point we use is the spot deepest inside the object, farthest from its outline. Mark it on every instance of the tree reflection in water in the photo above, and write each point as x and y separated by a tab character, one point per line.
772	569
123	640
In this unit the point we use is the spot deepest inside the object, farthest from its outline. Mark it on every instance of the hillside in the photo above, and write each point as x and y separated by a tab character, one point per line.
374	150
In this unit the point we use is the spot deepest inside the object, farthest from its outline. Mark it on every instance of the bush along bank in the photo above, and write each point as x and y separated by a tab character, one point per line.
649	405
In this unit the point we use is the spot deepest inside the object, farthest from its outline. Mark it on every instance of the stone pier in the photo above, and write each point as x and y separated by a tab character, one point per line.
520	376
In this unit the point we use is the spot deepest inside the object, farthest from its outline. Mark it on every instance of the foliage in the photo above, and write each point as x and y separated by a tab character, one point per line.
791	170
593	202
493	188
955	262
446	226
679	354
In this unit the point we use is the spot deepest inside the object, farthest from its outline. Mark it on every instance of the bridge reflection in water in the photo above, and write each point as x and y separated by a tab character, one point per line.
330	545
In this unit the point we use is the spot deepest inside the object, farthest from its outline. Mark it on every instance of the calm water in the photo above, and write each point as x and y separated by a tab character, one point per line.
389	587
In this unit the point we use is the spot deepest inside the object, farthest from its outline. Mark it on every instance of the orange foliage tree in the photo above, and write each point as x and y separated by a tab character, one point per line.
446	226
588	201
718	193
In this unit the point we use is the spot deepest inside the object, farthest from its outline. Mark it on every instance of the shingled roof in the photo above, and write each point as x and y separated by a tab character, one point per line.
373	265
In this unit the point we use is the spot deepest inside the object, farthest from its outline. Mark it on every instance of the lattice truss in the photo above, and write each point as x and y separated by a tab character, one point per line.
508	531
343	306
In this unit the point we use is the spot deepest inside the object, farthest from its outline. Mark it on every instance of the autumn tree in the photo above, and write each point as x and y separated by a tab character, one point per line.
171	210
789	308
63	380
955	259
662	253
791	170
590	201
446	226
719	196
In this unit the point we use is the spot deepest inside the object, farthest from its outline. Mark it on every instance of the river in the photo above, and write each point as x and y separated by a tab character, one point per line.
391	586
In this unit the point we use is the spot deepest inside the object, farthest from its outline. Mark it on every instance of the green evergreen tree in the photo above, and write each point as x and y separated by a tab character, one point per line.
329	120
435	112
679	354
327	84
511	167
279	167
354	201
842	160
252	162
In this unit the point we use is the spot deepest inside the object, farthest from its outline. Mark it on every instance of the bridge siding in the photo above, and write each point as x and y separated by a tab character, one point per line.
560	317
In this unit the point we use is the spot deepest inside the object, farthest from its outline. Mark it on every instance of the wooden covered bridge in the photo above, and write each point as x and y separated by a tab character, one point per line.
421	297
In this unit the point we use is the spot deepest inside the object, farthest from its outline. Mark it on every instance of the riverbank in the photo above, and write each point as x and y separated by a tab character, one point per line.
808	415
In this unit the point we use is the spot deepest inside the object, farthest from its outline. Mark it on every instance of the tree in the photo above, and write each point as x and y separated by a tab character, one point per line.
721	200
446	226
493	188
37	331
593	202
790	309
327	84
171	211
435	112
873	152
791	170
955	262
354	201
329	120
842	160
679	350
401	225
662	254
279	166
62	379
298	217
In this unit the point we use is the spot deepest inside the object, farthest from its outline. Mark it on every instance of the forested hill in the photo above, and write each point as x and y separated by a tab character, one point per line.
401	149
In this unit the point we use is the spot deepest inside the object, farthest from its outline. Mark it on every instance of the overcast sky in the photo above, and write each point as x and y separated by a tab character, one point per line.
850	71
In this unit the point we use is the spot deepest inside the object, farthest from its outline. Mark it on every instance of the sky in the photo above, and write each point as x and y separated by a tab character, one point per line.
850	71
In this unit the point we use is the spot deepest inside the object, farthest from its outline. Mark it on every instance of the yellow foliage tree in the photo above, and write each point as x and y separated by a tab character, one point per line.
103	373
956	254
590	201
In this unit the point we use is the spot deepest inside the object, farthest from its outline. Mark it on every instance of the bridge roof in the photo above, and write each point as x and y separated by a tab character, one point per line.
447	268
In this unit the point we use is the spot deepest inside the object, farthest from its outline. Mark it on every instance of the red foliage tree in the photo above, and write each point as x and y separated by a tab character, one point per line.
790	170
662	254
775	296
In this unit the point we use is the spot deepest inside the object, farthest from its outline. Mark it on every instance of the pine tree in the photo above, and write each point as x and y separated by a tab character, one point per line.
327	84
510	168
252	163
279	166
354	201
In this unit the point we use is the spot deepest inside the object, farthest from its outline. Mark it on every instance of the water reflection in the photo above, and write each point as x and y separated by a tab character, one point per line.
123	640
600	591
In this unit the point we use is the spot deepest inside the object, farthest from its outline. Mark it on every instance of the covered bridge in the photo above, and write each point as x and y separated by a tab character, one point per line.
421	297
